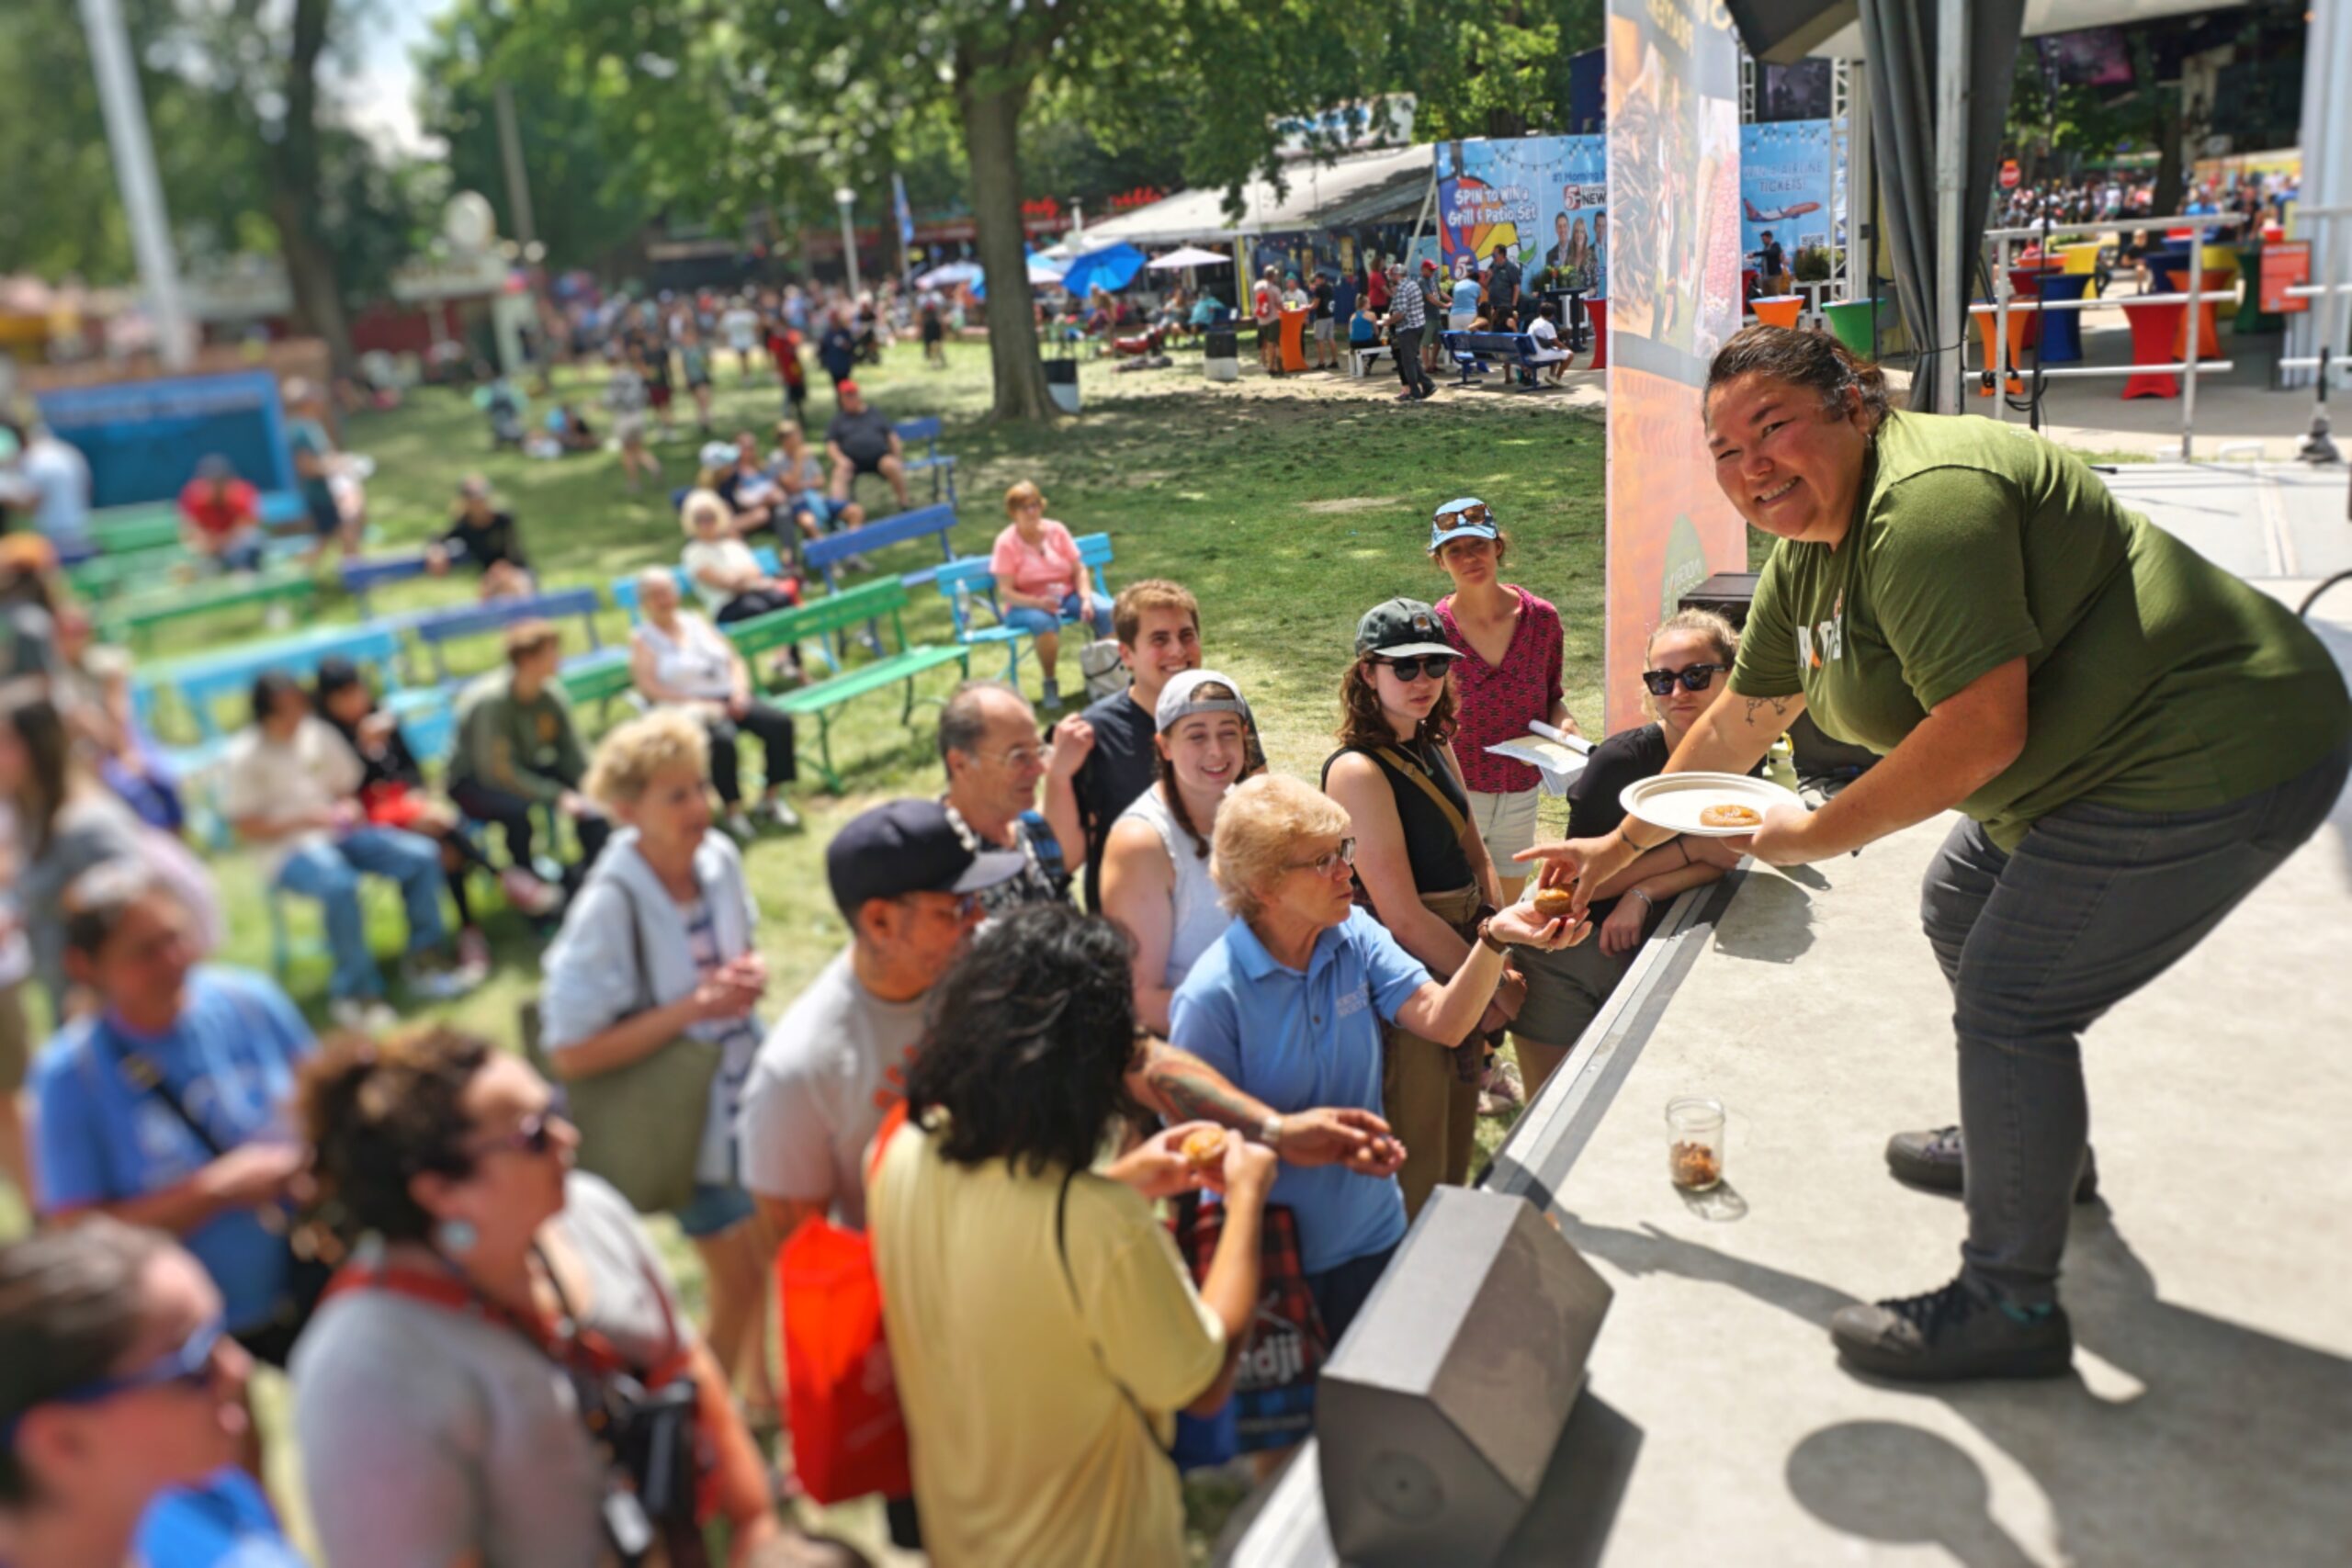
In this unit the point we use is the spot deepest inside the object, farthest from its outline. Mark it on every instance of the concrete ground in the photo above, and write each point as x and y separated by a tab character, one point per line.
2206	1419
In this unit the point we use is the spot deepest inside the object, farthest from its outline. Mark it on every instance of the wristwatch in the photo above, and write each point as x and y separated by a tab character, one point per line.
1269	1132
1492	942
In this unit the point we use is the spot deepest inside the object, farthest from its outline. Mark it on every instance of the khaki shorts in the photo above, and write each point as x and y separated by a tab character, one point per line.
16	1039
1506	823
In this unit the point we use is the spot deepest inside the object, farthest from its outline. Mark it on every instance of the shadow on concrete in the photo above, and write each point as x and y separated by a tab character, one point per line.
1719	1204
1775	924
2232	1449
1883	1480
1577	1502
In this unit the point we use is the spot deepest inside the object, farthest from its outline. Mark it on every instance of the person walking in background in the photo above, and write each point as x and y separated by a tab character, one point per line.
694	362
1265	310
315	462
626	395
837	348
1040	582
1434	301
289	787
1407	316
1326	326
1502	291
1038	1416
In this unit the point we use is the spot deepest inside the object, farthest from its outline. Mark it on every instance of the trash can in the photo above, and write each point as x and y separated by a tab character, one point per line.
1221	356
1061	384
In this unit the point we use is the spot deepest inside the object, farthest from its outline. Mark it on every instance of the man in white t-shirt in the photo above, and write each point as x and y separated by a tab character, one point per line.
51	481
1548	351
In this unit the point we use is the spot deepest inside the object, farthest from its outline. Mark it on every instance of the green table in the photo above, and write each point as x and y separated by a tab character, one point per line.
2252	317
1853	323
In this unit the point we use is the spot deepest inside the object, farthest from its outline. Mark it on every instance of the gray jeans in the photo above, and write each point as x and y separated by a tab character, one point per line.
2092	905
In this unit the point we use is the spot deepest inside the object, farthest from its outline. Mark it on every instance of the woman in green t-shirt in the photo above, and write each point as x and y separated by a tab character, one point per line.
2133	736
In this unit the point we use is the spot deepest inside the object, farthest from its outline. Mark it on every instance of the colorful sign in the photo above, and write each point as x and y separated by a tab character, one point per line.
1544	198
2285	265
1674	189
1788	180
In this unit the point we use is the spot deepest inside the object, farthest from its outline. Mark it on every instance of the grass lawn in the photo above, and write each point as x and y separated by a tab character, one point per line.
1289	507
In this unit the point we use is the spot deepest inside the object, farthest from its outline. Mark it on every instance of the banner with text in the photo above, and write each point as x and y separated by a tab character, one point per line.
1673	175
1544	198
1788	178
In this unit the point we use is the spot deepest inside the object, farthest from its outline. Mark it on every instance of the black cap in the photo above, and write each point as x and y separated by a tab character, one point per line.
1405	626
909	846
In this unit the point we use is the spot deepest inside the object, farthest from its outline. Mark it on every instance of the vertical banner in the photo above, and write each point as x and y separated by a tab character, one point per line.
1788	175
1543	198
1673	290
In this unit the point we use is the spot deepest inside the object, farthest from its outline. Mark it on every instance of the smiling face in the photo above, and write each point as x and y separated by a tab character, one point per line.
1207	750
512	1189
1789	466
1168	643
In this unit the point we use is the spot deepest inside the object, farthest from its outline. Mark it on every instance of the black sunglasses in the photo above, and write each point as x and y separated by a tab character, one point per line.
534	1135
1433	665
1694	677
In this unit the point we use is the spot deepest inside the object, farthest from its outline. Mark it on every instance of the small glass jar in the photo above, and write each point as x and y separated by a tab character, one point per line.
1694	1141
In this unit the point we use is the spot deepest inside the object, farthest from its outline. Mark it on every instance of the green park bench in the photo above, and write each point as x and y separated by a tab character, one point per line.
119	529
840	612
103	577
130	619
600	678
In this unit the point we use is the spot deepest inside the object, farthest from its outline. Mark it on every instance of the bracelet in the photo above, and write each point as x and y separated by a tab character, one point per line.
1644	898
1488	940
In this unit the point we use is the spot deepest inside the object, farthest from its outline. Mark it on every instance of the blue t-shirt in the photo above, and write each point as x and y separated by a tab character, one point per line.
1362	329
225	1523
1312	1040
309	435
1466	297
230	1060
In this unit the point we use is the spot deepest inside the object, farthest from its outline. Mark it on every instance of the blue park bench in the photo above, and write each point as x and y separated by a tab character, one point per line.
1472	351
940	465
970	582
438	629
822	556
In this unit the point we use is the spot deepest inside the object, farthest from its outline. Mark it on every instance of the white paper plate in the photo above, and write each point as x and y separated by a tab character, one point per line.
1675	800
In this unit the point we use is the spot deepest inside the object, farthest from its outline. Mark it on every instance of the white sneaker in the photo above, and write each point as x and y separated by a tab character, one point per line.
440	985
740	827
362	1015
779	811
527	893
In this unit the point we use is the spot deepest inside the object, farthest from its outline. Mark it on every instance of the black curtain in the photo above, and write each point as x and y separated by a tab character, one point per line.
1899	48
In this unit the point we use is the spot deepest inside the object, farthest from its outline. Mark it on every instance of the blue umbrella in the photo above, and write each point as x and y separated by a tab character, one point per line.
1042	272
1114	266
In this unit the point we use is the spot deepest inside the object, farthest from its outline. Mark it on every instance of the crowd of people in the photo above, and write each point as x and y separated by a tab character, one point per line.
1135	1054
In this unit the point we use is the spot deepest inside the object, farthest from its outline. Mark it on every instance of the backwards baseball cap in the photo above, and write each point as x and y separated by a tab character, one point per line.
1402	628
909	846
1179	699
717	455
1467	518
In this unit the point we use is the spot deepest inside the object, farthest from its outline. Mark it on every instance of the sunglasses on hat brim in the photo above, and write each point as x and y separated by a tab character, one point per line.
1475	515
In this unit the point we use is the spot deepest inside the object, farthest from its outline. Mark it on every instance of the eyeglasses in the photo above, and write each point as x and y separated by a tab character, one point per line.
1474	515
1020	757
1321	865
534	1135
1694	677
1433	665
189	1364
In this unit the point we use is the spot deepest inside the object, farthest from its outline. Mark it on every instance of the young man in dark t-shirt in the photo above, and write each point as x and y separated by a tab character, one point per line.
1105	757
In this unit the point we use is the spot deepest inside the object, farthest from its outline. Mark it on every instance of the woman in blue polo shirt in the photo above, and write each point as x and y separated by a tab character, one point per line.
1288	1004
166	1107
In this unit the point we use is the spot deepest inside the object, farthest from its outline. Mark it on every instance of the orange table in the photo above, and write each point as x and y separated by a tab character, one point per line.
1294	339
1780	309
2154	328
1596	313
2174	279
1987	324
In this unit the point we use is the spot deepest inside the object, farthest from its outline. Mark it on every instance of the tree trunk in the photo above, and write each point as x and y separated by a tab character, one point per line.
2172	167
991	111
293	164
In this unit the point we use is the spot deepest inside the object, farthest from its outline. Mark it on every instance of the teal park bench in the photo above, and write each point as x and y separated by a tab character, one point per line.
970	586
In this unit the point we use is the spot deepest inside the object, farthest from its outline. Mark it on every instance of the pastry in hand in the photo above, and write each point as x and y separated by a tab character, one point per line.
1554	903
1204	1148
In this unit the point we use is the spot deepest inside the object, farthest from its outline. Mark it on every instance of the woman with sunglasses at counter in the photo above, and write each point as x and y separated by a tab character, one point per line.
122	1408
497	1303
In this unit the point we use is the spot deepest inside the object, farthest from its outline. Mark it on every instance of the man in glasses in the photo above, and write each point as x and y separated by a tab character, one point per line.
995	759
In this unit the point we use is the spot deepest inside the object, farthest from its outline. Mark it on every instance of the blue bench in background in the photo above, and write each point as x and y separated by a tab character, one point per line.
940	465
969	582
624	588
438	629
364	574
1470	352
822	555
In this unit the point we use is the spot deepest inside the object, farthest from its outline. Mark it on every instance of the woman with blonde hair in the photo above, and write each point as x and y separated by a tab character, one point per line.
681	662
657	947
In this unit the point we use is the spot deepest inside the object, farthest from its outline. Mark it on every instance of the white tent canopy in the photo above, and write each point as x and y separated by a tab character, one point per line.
1189	256
1312	190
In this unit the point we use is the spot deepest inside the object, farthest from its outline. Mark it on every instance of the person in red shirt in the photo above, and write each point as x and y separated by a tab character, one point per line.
221	516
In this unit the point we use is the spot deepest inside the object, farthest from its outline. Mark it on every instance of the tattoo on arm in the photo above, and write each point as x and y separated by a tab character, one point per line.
1189	1089
1780	706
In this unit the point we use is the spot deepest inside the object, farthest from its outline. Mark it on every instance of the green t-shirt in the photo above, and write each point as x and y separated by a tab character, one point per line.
2158	681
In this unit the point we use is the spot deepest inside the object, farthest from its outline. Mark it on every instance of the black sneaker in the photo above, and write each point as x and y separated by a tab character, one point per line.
1952	1334
1932	1159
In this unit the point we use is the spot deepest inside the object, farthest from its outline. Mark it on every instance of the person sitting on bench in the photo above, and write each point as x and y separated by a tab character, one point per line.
860	441
1547	351
518	749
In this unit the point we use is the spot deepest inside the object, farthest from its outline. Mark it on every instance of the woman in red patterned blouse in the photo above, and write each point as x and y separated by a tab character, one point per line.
1507	676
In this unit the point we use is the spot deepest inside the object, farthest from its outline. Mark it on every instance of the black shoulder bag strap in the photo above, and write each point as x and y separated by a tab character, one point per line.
1061	1249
